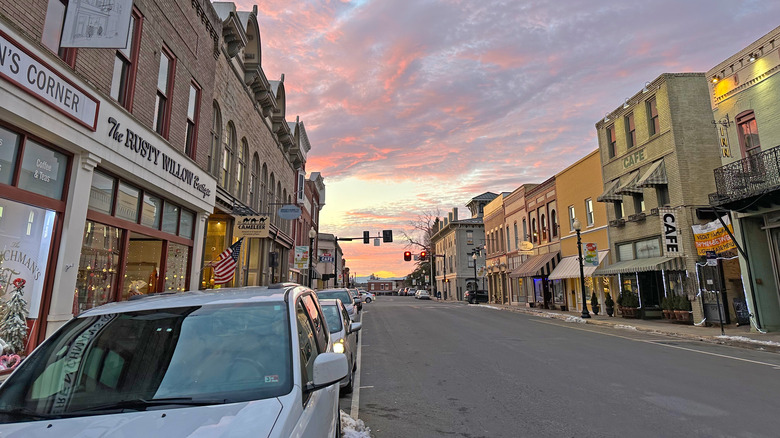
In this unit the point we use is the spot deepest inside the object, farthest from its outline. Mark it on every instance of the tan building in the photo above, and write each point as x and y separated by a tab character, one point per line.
496	243
516	221
743	90
577	187
544	235
655	149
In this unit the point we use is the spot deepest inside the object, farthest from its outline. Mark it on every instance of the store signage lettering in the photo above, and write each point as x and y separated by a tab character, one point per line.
251	226
21	67
671	241
635	158
11	255
144	149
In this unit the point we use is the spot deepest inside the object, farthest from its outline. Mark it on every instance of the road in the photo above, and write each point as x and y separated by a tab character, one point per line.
433	369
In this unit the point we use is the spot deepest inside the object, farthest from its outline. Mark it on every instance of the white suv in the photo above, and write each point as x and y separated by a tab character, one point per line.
236	362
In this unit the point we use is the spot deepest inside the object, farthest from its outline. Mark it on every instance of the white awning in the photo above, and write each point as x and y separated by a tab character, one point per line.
569	267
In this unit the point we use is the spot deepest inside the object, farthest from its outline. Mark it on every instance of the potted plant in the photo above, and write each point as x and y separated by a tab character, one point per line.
684	313
666	307
609	304
629	302
594	304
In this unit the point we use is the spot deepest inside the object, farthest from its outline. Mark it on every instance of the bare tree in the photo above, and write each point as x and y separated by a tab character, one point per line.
423	228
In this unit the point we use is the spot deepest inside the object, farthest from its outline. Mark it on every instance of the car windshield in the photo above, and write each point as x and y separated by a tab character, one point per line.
342	295
333	318
188	356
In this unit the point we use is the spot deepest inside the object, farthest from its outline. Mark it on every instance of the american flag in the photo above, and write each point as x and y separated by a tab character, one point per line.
225	266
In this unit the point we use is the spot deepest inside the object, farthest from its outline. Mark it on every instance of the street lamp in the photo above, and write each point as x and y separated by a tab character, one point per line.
577	227
474	257
312	235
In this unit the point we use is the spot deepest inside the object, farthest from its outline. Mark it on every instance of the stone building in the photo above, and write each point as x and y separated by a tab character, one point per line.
496	243
654	150
743	92
101	155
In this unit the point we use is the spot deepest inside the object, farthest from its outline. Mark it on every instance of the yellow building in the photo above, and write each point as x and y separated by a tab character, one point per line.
578	186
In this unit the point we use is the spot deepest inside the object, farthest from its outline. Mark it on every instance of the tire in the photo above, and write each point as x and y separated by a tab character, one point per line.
368	300
350	386
472	301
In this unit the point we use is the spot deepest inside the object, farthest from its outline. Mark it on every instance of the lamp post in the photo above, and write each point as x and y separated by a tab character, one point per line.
577	227
312	235
476	285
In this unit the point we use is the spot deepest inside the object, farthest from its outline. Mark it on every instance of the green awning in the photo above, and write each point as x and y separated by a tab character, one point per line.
643	265
654	176
609	192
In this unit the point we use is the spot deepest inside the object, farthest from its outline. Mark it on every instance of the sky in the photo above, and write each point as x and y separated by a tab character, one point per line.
413	107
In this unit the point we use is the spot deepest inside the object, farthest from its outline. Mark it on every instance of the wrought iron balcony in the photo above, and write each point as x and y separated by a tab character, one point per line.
749	177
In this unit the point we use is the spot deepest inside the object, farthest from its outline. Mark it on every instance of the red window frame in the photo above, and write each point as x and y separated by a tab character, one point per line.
611	141
191	137
630	131
127	93
163	122
746	125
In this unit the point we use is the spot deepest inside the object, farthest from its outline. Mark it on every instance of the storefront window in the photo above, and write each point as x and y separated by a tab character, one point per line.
127	202
648	248
43	170
9	148
170	218
98	266
186	224
25	241
216	239
150	215
629	281
143	266
176	267
101	195
626	251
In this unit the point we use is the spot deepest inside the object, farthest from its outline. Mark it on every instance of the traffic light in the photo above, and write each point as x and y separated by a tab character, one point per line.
423	255
366	237
407	256
387	236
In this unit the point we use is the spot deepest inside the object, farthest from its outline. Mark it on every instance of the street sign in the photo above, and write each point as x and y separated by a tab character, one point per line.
290	212
712	258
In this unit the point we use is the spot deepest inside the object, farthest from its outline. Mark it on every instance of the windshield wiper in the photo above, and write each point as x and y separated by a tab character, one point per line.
140	404
26	414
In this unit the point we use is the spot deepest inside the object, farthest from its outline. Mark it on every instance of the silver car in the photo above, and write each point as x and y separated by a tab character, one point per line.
343	332
345	297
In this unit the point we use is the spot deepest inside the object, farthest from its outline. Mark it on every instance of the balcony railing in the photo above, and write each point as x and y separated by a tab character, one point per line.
751	176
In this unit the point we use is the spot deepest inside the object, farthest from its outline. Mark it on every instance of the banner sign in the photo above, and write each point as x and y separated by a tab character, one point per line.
672	241
251	226
301	260
591	255
713	237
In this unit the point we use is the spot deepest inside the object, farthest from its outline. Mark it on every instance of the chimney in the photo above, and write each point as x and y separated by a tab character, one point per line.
449	217
455	214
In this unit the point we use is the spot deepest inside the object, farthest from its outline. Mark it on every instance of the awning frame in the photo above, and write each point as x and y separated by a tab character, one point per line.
629	187
609	194
654	176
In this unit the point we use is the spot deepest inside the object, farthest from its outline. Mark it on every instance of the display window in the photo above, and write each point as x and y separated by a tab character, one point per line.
216	242
98	266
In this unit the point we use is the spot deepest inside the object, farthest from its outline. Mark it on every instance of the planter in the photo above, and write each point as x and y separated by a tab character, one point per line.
629	312
667	314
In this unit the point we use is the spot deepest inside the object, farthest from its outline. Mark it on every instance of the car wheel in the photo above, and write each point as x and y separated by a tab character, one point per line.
471	301
368	300
348	389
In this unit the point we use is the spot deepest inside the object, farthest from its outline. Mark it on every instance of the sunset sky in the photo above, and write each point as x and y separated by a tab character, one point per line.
417	105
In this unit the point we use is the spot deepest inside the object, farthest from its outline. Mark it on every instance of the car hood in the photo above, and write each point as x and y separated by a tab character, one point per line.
255	418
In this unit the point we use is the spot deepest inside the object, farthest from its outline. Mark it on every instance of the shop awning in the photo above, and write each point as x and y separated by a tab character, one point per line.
569	267
629	187
536	266
609	193
654	176
643	265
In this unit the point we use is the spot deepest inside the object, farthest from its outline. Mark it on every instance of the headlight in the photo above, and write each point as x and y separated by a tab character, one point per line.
338	347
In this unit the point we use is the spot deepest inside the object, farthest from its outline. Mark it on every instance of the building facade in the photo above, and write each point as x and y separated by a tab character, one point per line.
743	92
122	125
496	243
516	221
329	261
654	150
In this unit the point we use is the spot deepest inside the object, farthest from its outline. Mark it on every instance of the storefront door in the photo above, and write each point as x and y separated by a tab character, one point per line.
651	288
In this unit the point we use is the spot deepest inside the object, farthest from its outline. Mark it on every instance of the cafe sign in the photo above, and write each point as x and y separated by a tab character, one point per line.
671	232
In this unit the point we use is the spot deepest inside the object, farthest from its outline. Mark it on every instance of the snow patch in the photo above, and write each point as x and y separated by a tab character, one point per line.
626	327
489	307
576	319
351	428
744	339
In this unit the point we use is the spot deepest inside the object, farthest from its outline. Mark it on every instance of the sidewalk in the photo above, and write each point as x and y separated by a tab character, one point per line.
741	336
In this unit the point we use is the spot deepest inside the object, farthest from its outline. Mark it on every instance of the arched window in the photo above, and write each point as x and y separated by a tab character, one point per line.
554	223
534	231
271	208
253	182
508	239
285	222
543	226
216	135
242	153
747	132
264	190
516	236
525	230
228	154
278	200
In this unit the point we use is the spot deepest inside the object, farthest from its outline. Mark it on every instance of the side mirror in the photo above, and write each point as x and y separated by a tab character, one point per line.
329	368
355	326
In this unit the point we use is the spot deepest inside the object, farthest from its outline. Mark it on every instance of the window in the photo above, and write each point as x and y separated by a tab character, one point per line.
263	189
127	201
611	142
52	31
571	218
630	131
162	105
517	238
653	125
125	63
228	149
152	211
170	221
747	130
101	195
308	347
193	110
216	135
648	248
242	153
525	230
618	209
543	226
533	230
625	251
469	237
662	194
554	223
253	180
589	211
639	203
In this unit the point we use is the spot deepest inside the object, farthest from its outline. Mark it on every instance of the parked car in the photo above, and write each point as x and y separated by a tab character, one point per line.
410	292
345	296
474	297
343	333
369	297
254	361
423	294
357	298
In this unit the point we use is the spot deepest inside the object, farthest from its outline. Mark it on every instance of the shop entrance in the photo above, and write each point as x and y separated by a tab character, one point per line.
142	270
650	288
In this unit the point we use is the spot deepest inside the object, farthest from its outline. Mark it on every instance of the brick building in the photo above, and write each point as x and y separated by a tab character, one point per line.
102	155
516	220
496	243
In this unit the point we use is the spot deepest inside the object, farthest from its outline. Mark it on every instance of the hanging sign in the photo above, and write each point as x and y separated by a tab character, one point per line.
672	243
526	245
290	212
251	226
591	254
713	237
97	24
301	260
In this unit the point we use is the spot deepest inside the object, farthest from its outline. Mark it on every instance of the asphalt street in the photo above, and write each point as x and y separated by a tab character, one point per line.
434	369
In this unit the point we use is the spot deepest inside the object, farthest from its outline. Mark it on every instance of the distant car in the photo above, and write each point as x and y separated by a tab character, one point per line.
343	333
369	297
474	297
345	297
423	294
357	298
253	361
411	292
